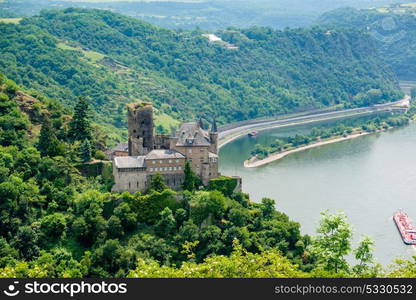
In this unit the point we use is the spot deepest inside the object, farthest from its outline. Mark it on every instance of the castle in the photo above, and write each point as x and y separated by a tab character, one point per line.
149	154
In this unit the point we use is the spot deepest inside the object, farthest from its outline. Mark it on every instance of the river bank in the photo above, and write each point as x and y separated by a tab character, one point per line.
229	135
254	162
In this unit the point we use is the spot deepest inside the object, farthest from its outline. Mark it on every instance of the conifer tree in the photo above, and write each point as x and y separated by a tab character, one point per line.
191	181
80	127
48	144
85	151
166	225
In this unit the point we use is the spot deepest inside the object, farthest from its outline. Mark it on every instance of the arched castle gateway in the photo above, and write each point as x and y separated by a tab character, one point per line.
149	154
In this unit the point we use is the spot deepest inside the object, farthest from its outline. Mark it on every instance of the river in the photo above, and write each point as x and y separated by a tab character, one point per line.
368	178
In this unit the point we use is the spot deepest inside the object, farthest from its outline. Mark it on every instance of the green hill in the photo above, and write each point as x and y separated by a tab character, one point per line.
114	59
393	29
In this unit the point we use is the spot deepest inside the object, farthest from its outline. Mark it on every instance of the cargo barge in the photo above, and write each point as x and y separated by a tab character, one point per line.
405	227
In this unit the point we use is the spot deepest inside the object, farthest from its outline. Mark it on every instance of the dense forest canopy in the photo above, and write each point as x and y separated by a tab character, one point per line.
113	60
393	29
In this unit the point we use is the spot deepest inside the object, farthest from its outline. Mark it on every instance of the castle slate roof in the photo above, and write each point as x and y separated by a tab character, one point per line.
164	154
191	134
122	147
129	162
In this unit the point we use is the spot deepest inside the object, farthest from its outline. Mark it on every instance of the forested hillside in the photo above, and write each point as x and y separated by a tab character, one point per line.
393	29
113	60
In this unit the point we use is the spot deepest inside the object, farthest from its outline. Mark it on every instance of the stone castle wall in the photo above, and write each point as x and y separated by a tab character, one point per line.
130	180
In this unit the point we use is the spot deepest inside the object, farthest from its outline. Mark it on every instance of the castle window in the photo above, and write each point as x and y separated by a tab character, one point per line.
166	168
151	169
129	185
160	161
202	150
179	168
137	184
153	161
189	150
170	168
177	160
170	161
174	168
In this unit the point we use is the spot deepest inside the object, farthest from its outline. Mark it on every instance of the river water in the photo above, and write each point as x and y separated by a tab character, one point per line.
368	178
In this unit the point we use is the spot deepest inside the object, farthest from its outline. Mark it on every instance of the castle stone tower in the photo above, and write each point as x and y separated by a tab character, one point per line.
140	123
214	138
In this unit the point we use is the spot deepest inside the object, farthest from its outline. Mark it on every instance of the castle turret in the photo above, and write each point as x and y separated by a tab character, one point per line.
200	123
214	137
140	123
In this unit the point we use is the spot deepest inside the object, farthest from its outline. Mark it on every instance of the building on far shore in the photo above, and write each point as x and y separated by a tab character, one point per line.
149	154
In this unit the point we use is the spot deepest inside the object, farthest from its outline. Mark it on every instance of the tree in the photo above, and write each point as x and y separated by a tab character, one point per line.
114	227
239	216
126	216
48	144
85	151
26	242
157	183
80	228
332	243
268	207
90	225
53	226
191	181
365	257
166	224
207	205
180	216
148	207
111	258
80	127
7	253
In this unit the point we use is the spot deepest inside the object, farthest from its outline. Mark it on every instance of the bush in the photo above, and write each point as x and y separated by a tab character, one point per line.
53	226
224	184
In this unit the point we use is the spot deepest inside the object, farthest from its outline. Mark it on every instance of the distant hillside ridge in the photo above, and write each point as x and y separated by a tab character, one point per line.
114	60
393	29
